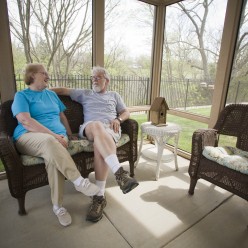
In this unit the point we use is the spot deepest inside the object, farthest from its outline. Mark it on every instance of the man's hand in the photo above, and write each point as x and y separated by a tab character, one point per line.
115	125
72	137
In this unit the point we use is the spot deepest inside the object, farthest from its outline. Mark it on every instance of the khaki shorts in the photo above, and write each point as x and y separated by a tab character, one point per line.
115	136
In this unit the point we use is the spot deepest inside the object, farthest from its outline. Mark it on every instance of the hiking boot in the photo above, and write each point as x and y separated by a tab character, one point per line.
63	216
95	212
87	188
125	182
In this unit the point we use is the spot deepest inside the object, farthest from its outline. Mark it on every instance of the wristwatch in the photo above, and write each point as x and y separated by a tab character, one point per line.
119	119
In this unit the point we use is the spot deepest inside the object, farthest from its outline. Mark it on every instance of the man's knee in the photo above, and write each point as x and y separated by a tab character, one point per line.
98	124
94	128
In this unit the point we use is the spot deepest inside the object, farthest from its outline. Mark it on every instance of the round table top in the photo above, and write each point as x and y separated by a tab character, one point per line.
149	128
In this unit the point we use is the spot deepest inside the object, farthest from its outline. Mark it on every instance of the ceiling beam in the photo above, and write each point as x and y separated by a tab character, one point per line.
160	2
98	18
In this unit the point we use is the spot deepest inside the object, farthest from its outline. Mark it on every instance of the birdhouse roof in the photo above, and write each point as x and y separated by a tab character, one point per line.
158	103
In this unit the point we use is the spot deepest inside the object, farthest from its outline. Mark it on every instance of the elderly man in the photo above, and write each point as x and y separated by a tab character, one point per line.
104	111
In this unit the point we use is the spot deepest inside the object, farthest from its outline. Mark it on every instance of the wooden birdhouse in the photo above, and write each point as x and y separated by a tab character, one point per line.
158	111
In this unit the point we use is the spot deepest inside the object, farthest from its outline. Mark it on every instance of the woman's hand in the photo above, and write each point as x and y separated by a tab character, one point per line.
61	140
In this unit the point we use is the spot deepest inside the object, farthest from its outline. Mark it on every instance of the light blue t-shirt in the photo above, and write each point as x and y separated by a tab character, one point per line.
98	106
44	106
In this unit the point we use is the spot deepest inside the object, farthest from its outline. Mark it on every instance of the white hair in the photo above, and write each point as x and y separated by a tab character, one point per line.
100	70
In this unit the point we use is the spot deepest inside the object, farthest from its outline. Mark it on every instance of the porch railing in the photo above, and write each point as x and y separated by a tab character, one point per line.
135	91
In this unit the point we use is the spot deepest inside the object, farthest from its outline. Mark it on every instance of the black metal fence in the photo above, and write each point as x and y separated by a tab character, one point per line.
186	93
238	92
135	91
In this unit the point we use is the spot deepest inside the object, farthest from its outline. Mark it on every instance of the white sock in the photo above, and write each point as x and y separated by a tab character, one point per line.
101	185
113	162
78	181
55	208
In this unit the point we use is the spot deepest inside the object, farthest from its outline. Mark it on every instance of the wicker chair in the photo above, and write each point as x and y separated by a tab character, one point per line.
233	121
24	178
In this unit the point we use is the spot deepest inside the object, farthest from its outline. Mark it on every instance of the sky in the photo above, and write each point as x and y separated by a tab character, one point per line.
135	37
132	34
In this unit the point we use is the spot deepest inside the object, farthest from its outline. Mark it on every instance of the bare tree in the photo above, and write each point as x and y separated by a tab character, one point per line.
48	31
199	23
21	27
241	51
238	91
57	33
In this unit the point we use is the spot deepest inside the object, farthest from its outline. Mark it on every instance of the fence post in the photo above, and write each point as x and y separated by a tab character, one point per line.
147	91
186	97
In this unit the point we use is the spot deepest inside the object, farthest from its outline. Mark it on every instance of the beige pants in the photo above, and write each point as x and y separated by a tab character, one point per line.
59	163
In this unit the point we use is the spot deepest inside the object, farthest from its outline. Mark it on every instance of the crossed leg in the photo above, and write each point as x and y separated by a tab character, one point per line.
103	142
105	156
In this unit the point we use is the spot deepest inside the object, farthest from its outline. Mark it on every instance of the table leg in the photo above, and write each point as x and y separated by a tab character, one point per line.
175	150
159	157
140	147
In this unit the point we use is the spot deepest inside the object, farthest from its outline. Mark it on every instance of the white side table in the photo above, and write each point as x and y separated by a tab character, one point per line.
161	135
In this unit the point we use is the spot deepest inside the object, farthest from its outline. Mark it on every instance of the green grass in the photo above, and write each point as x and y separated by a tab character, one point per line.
201	111
140	118
188	127
1	166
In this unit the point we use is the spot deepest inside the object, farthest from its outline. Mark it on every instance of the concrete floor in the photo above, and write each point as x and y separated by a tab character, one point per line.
155	214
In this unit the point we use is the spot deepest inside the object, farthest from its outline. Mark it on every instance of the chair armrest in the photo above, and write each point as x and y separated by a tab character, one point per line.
200	139
12	163
130	127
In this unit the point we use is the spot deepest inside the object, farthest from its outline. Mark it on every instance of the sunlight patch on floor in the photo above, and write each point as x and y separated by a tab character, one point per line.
151	215
151	204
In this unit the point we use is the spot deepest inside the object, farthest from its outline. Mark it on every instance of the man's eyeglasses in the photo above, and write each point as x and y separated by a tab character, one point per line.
96	78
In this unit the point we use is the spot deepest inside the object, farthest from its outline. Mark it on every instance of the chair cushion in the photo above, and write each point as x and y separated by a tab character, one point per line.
74	147
228	156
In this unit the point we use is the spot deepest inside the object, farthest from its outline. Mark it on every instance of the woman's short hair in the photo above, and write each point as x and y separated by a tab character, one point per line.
30	70
100	70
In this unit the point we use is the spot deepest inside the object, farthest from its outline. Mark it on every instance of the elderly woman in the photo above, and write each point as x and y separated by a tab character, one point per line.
43	131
